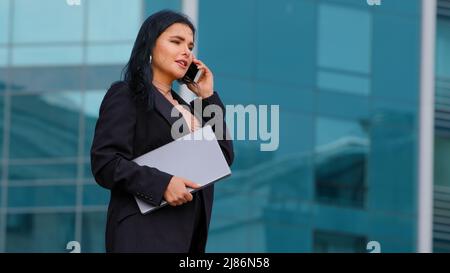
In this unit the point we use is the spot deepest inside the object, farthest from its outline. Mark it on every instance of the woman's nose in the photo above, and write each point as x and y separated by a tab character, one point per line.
187	53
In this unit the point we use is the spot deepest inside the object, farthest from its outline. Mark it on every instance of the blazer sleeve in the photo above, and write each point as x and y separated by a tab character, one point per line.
112	150
225	142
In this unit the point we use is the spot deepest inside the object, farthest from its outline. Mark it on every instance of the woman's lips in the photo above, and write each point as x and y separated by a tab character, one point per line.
181	64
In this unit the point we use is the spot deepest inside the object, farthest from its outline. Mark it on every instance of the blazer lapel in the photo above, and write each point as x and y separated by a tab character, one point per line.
164	107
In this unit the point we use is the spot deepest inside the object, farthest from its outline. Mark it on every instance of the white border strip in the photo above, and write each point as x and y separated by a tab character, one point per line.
426	129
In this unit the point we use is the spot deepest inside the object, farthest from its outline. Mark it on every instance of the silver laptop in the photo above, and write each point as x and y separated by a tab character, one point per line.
196	156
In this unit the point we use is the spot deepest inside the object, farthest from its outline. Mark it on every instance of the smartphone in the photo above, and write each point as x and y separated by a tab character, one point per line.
192	74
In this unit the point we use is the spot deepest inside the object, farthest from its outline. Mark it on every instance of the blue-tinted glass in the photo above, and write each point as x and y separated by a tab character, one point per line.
109	54
344	44
288	174
4	22
2	124
40	232
296	100
235	91
47	21
395	232
92	101
393	157
42	171
41	196
341	161
104	22
395	64
47	55
102	76
3	56
403	7
441	159
286	41
222	229
52	78
87	170
4	79
231	55
343	105
152	6
443	48
94	223
285	238
338	242
45	125
338	81
93	194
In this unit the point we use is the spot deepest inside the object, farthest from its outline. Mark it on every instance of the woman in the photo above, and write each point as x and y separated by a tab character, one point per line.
135	118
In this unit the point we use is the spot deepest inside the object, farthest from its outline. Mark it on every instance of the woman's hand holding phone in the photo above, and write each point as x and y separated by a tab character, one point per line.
204	87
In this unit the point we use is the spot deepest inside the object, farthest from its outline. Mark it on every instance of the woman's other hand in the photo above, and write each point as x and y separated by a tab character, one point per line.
176	192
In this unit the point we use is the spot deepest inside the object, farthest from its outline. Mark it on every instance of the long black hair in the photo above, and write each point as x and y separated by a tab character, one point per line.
138	72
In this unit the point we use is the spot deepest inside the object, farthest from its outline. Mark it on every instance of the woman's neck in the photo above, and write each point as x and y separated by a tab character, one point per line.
162	87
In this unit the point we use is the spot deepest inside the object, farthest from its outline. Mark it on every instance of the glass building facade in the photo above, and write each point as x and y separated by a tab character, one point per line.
441	220
346	76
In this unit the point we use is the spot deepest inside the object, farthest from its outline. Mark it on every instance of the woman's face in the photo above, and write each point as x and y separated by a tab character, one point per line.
172	53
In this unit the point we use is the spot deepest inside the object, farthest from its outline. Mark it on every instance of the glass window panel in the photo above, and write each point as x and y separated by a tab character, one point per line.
341	162
344	106
403	7
42	171
4	22
93	194
335	81
104	24
2	124
221	232
152	6
284	238
396	64
93	99
443	48
48	55
93	225
109	54
45	125
102	76
344	44
41	196
47	21
51	78
234	56
5	80
296	100
441	159
393	157
290	23
40	232
332	242
3	56
87	170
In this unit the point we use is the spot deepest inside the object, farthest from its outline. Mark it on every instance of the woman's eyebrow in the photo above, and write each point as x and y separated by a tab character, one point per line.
181	38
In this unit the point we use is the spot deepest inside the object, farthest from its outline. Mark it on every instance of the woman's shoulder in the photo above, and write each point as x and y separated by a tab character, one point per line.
118	89
117	95
119	86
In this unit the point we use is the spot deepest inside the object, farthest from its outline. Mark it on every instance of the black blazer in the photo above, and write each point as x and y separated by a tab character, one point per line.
126	129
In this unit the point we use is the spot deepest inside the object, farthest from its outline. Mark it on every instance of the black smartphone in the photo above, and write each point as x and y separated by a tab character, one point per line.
192	74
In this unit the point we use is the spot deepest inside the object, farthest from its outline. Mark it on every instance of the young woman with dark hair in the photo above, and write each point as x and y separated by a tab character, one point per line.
135	118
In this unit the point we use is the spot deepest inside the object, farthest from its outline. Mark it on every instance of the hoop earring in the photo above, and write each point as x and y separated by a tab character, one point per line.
150	61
